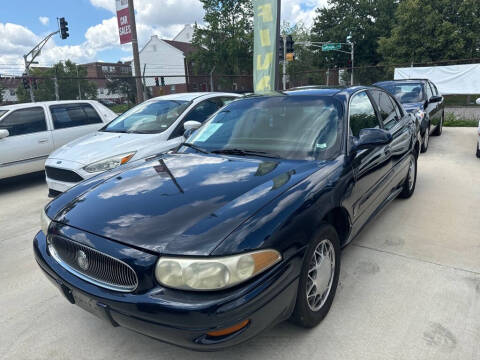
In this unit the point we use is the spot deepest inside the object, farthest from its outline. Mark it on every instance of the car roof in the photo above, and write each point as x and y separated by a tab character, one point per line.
193	95
400	80
318	90
41	103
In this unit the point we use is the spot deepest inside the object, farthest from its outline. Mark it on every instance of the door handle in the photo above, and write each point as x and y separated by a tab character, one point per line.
42	141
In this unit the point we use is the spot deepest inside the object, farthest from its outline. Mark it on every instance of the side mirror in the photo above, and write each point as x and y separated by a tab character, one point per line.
4	133
190	126
435	99
369	138
478	101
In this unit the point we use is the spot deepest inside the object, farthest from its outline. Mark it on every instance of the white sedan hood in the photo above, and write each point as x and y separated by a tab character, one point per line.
101	145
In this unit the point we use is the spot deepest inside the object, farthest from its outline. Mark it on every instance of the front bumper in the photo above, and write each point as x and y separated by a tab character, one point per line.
183	318
59	186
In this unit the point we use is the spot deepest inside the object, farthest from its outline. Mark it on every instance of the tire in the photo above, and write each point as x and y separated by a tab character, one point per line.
409	184
478	151
425	140
438	130
311	310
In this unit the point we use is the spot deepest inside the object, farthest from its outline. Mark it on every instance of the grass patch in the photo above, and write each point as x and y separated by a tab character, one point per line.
120	108
452	121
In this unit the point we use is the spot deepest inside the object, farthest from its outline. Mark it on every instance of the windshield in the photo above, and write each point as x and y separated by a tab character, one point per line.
149	117
405	92
291	127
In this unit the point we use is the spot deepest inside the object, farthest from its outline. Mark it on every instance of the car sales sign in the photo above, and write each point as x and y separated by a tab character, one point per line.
123	18
265	35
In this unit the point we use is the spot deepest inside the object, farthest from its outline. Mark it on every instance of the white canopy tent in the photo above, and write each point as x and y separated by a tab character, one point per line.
450	80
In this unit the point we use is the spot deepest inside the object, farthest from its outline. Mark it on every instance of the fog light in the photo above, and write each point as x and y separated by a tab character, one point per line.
229	330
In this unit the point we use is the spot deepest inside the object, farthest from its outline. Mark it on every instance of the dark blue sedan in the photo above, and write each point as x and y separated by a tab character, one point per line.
240	228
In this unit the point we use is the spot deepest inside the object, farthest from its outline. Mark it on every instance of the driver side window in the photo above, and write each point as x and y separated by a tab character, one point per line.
362	113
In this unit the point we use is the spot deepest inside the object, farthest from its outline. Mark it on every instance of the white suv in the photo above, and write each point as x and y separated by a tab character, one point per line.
152	127
30	132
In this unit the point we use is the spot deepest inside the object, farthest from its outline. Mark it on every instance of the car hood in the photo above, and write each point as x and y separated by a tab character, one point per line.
412	107
183	204
101	145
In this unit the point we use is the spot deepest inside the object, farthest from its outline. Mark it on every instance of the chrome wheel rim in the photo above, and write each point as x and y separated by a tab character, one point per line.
411	174
320	275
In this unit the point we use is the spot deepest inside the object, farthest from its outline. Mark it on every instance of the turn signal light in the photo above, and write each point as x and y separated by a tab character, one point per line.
229	330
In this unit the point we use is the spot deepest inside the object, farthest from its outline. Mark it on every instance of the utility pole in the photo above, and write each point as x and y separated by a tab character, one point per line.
55	81
79	90
136	57
284	72
27	71
353	66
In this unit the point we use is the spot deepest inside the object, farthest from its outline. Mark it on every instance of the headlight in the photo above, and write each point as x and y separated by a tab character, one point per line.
420	114
44	222
213	273
109	163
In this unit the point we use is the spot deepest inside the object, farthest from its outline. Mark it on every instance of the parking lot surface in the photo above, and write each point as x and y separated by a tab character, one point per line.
409	285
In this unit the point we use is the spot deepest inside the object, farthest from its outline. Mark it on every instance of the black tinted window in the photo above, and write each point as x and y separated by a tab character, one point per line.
428	91
71	115
386	108
25	121
434	89
362	113
202	111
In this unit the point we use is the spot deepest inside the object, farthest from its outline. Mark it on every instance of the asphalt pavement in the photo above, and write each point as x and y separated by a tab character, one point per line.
409	285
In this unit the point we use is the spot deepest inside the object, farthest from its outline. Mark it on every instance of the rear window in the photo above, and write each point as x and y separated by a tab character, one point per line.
407	92
72	115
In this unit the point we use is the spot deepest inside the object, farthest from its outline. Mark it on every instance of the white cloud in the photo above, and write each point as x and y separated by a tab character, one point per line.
164	18
44	20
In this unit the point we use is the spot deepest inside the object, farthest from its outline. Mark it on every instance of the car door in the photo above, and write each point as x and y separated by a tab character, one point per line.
439	106
71	121
200	112
371	166
29	142
431	108
395	121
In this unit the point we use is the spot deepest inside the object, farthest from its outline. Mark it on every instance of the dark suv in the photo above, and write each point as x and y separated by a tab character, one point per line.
421	97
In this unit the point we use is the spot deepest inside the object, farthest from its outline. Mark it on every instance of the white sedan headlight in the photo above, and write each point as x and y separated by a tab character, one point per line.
45	222
109	163
214	273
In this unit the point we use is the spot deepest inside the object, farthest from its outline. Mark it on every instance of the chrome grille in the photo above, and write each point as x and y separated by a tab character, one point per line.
92	265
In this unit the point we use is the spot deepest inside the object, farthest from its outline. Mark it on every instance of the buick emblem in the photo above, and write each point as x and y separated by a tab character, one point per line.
59	162
82	260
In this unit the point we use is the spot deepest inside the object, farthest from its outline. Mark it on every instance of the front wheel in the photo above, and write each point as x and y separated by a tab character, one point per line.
318	279
426	138
478	150
439	129
411	180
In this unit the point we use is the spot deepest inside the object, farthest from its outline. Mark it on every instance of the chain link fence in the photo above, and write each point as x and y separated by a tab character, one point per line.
121	89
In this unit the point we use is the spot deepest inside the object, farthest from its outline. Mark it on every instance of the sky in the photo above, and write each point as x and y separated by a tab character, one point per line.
94	31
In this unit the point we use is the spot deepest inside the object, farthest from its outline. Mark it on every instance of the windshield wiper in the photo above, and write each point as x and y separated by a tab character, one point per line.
195	147
242	152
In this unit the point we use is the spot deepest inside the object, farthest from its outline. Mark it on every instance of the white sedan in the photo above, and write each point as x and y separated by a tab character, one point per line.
150	128
30	132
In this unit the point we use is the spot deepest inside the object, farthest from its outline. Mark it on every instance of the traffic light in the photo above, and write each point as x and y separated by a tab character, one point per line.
290	43
156	81
26	83
162	80
281	49
64	29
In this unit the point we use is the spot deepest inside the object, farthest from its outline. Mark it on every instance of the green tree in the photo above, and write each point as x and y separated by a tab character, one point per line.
225	42
365	20
68	82
431	30
123	86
